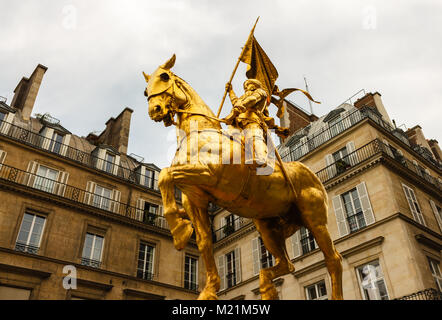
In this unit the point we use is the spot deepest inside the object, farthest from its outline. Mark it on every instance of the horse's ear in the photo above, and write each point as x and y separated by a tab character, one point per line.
146	76
170	63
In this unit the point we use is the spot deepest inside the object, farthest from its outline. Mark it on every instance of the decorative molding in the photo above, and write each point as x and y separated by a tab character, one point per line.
142	294
248	228
363	246
421	238
311	268
23	270
277	282
94	284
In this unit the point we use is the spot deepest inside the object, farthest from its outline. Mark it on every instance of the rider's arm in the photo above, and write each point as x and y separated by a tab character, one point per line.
252	100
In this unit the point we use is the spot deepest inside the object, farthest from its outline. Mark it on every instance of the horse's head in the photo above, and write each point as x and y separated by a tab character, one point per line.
161	93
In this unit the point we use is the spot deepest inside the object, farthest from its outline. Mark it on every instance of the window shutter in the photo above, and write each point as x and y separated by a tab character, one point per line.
345	121
437	214
304	145
340	216
90	189
3	154
141	173
140	210
115	204
116	165
65	144
255	255
6	124
238	265
296	244
236	222
221	272
353	156
101	156
331	168
365	203
60	187
411	198
162	218
156	177
222	224
387	148
30	176
47	134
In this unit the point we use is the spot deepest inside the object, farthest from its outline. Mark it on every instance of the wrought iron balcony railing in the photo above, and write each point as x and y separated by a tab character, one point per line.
427	294
145	275
55	147
238	223
90	262
310	143
23	247
64	191
367	151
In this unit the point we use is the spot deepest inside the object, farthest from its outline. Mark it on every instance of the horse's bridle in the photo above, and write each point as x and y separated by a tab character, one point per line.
174	110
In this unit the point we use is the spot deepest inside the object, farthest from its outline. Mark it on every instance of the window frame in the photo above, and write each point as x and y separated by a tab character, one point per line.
317	291
54	144
146	263
231	280
358	215
435	272
102	197
39	177
193	270
307	235
364	292
89	261
27	245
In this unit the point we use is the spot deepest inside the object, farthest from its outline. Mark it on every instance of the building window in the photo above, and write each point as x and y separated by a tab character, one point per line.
231	269
149	179
2	117
336	126
150	213
191	273
109	163
229	224
267	259
316	291
145	261
45	179
435	271
413	204
31	231
308	242
371	281
92	250
102	197
436	210
353	210
56	142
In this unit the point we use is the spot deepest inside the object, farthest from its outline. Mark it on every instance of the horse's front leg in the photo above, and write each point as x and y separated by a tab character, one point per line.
196	208
180	228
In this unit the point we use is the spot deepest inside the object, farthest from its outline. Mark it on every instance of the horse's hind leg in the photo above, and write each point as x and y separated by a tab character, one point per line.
196	208
274	241
313	209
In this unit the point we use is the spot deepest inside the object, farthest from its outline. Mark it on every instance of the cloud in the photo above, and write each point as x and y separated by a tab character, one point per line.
95	52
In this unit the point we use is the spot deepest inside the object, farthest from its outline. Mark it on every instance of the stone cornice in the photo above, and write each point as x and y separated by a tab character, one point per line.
248	228
23	270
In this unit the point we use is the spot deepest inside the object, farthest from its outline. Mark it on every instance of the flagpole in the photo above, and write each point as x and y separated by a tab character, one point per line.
234	70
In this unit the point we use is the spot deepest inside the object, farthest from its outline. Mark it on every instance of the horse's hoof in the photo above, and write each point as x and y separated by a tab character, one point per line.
181	234
204	295
270	294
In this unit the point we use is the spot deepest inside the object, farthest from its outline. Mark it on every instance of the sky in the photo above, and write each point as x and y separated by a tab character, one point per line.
96	51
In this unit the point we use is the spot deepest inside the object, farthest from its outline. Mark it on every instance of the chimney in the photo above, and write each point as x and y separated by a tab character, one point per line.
434	145
26	92
416	136
295	118
373	100
116	133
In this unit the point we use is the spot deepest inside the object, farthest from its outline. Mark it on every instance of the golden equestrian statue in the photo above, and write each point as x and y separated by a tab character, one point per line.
279	204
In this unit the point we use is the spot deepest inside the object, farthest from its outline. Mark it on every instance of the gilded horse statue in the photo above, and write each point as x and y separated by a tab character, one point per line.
276	211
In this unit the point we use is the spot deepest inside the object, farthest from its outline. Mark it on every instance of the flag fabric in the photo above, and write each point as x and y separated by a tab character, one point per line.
262	69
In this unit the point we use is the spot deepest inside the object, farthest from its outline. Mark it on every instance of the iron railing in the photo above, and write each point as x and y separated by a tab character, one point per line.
80	196
145	275
39	141
427	294
228	229
90	262
23	247
349	161
367	151
308	143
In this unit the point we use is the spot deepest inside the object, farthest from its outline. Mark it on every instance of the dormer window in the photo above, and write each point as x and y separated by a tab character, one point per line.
56	142
110	162
147	176
6	117
106	159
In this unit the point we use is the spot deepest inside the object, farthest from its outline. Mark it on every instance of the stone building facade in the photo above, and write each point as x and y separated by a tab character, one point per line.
384	197
81	207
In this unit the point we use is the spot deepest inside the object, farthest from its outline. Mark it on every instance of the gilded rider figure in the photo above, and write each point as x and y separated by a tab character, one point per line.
247	115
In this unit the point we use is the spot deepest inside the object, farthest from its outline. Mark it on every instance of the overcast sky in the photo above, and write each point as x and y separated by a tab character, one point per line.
95	52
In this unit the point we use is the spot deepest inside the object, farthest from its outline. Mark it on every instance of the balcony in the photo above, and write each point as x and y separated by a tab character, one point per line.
228	229
80	196
428	294
23	247
307	143
90	263
86	159
371	149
